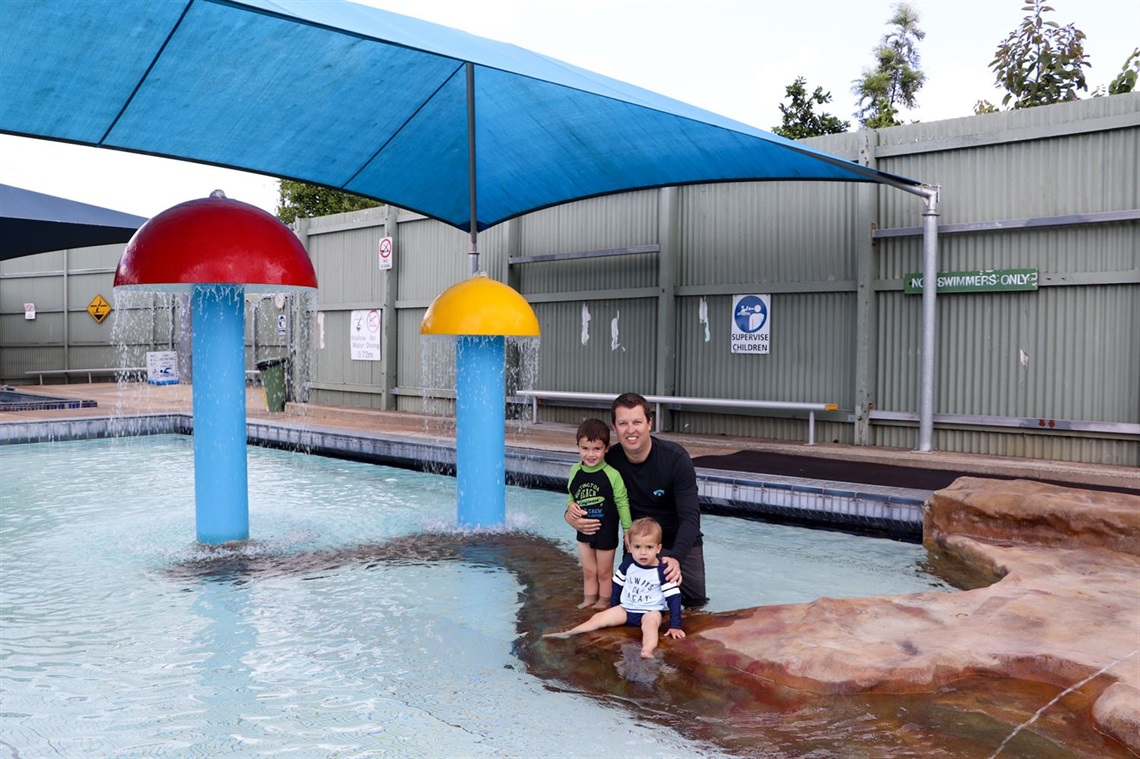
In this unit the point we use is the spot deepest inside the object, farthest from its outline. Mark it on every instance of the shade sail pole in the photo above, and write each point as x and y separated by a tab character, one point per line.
928	193
929	294
473	256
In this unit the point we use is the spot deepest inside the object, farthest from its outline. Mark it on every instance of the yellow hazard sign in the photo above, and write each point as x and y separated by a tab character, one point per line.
99	308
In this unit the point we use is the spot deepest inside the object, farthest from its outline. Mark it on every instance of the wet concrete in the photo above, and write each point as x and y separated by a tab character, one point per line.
824	461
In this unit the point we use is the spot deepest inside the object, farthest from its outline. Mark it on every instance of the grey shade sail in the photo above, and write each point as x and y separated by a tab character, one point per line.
33	222
360	99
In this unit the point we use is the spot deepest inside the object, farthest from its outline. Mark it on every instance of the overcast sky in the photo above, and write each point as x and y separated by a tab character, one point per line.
732	57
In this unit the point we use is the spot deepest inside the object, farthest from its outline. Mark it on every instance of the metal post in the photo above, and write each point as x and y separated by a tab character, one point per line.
811	428
473	257
669	238
929	292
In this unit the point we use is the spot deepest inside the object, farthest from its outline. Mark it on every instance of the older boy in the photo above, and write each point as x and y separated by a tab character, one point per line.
598	490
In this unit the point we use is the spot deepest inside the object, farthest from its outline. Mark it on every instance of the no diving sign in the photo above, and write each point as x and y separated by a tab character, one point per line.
385	253
364	339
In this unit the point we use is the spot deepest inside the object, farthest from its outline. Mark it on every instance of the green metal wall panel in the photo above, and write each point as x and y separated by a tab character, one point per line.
614	222
1067	350
614	352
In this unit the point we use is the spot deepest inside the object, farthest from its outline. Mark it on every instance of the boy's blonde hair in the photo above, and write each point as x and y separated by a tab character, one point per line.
646	527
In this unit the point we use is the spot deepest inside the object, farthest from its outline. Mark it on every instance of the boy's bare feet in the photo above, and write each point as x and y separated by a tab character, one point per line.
602	604
588	601
557	635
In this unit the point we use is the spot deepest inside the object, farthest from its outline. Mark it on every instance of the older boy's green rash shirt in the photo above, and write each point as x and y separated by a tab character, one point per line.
596	488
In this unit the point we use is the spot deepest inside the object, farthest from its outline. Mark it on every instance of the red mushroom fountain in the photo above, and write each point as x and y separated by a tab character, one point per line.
217	249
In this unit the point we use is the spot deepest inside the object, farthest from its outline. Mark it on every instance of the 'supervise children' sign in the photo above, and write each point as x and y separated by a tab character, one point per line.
751	323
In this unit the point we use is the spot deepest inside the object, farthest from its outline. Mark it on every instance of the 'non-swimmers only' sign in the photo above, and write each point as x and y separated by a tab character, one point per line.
993	280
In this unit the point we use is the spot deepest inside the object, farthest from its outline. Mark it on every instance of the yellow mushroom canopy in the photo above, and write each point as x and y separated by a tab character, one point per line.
480	306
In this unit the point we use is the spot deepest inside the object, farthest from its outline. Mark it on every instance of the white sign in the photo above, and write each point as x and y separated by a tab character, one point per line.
30	311
751	323
281	324
162	367
385	253
364	335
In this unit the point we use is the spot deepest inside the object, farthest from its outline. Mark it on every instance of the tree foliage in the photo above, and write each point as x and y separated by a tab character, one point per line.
1125	81
800	118
1040	62
896	78
300	199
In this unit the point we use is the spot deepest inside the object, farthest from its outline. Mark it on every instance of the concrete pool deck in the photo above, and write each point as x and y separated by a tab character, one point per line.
874	490
843	463
1063	610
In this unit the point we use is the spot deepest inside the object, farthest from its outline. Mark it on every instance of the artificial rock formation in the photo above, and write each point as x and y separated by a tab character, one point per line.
1065	608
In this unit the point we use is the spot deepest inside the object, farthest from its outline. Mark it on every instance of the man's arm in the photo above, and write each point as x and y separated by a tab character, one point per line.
576	518
685	501
673	598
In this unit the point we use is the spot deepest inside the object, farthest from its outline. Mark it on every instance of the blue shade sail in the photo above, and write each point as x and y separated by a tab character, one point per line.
368	101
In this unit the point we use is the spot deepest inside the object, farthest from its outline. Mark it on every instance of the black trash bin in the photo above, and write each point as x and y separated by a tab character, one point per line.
273	379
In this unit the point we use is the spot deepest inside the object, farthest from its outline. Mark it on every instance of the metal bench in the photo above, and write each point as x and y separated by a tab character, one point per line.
669	400
137	372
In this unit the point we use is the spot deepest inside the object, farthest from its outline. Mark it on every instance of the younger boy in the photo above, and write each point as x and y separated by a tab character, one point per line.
598	489
642	590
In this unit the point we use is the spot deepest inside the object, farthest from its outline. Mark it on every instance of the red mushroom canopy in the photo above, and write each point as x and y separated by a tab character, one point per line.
215	240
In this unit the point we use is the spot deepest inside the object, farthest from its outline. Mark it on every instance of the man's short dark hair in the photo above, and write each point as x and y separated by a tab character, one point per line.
631	400
594	429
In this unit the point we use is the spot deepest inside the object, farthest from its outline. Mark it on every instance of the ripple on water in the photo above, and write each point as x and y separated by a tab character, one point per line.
343	628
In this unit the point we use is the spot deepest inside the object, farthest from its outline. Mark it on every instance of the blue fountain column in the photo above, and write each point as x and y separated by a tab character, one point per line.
221	497
480	430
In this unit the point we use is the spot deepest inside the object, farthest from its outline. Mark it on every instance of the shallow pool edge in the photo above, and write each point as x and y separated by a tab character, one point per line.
897	512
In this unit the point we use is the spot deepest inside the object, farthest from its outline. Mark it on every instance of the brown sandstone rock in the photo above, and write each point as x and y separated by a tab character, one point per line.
1067	606
1034	513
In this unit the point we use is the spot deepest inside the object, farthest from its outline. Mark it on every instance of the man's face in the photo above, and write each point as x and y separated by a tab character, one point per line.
632	428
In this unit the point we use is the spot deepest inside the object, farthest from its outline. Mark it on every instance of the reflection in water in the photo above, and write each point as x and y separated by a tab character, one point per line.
740	713
226	639
633	668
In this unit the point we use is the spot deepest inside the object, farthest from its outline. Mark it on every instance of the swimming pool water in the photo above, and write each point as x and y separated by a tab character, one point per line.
112	644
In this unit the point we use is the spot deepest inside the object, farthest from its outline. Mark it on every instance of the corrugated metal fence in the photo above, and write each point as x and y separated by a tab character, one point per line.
636	291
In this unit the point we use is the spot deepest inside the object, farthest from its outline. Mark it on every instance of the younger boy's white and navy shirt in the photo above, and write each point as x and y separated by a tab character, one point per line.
640	589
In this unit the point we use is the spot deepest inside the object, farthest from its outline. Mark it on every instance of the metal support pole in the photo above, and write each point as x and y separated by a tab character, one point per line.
811	428
473	257
929	292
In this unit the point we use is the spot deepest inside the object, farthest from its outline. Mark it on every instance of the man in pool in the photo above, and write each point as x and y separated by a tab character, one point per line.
640	592
661	483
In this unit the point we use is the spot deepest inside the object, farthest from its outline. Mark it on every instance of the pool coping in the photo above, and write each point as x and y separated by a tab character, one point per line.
877	508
